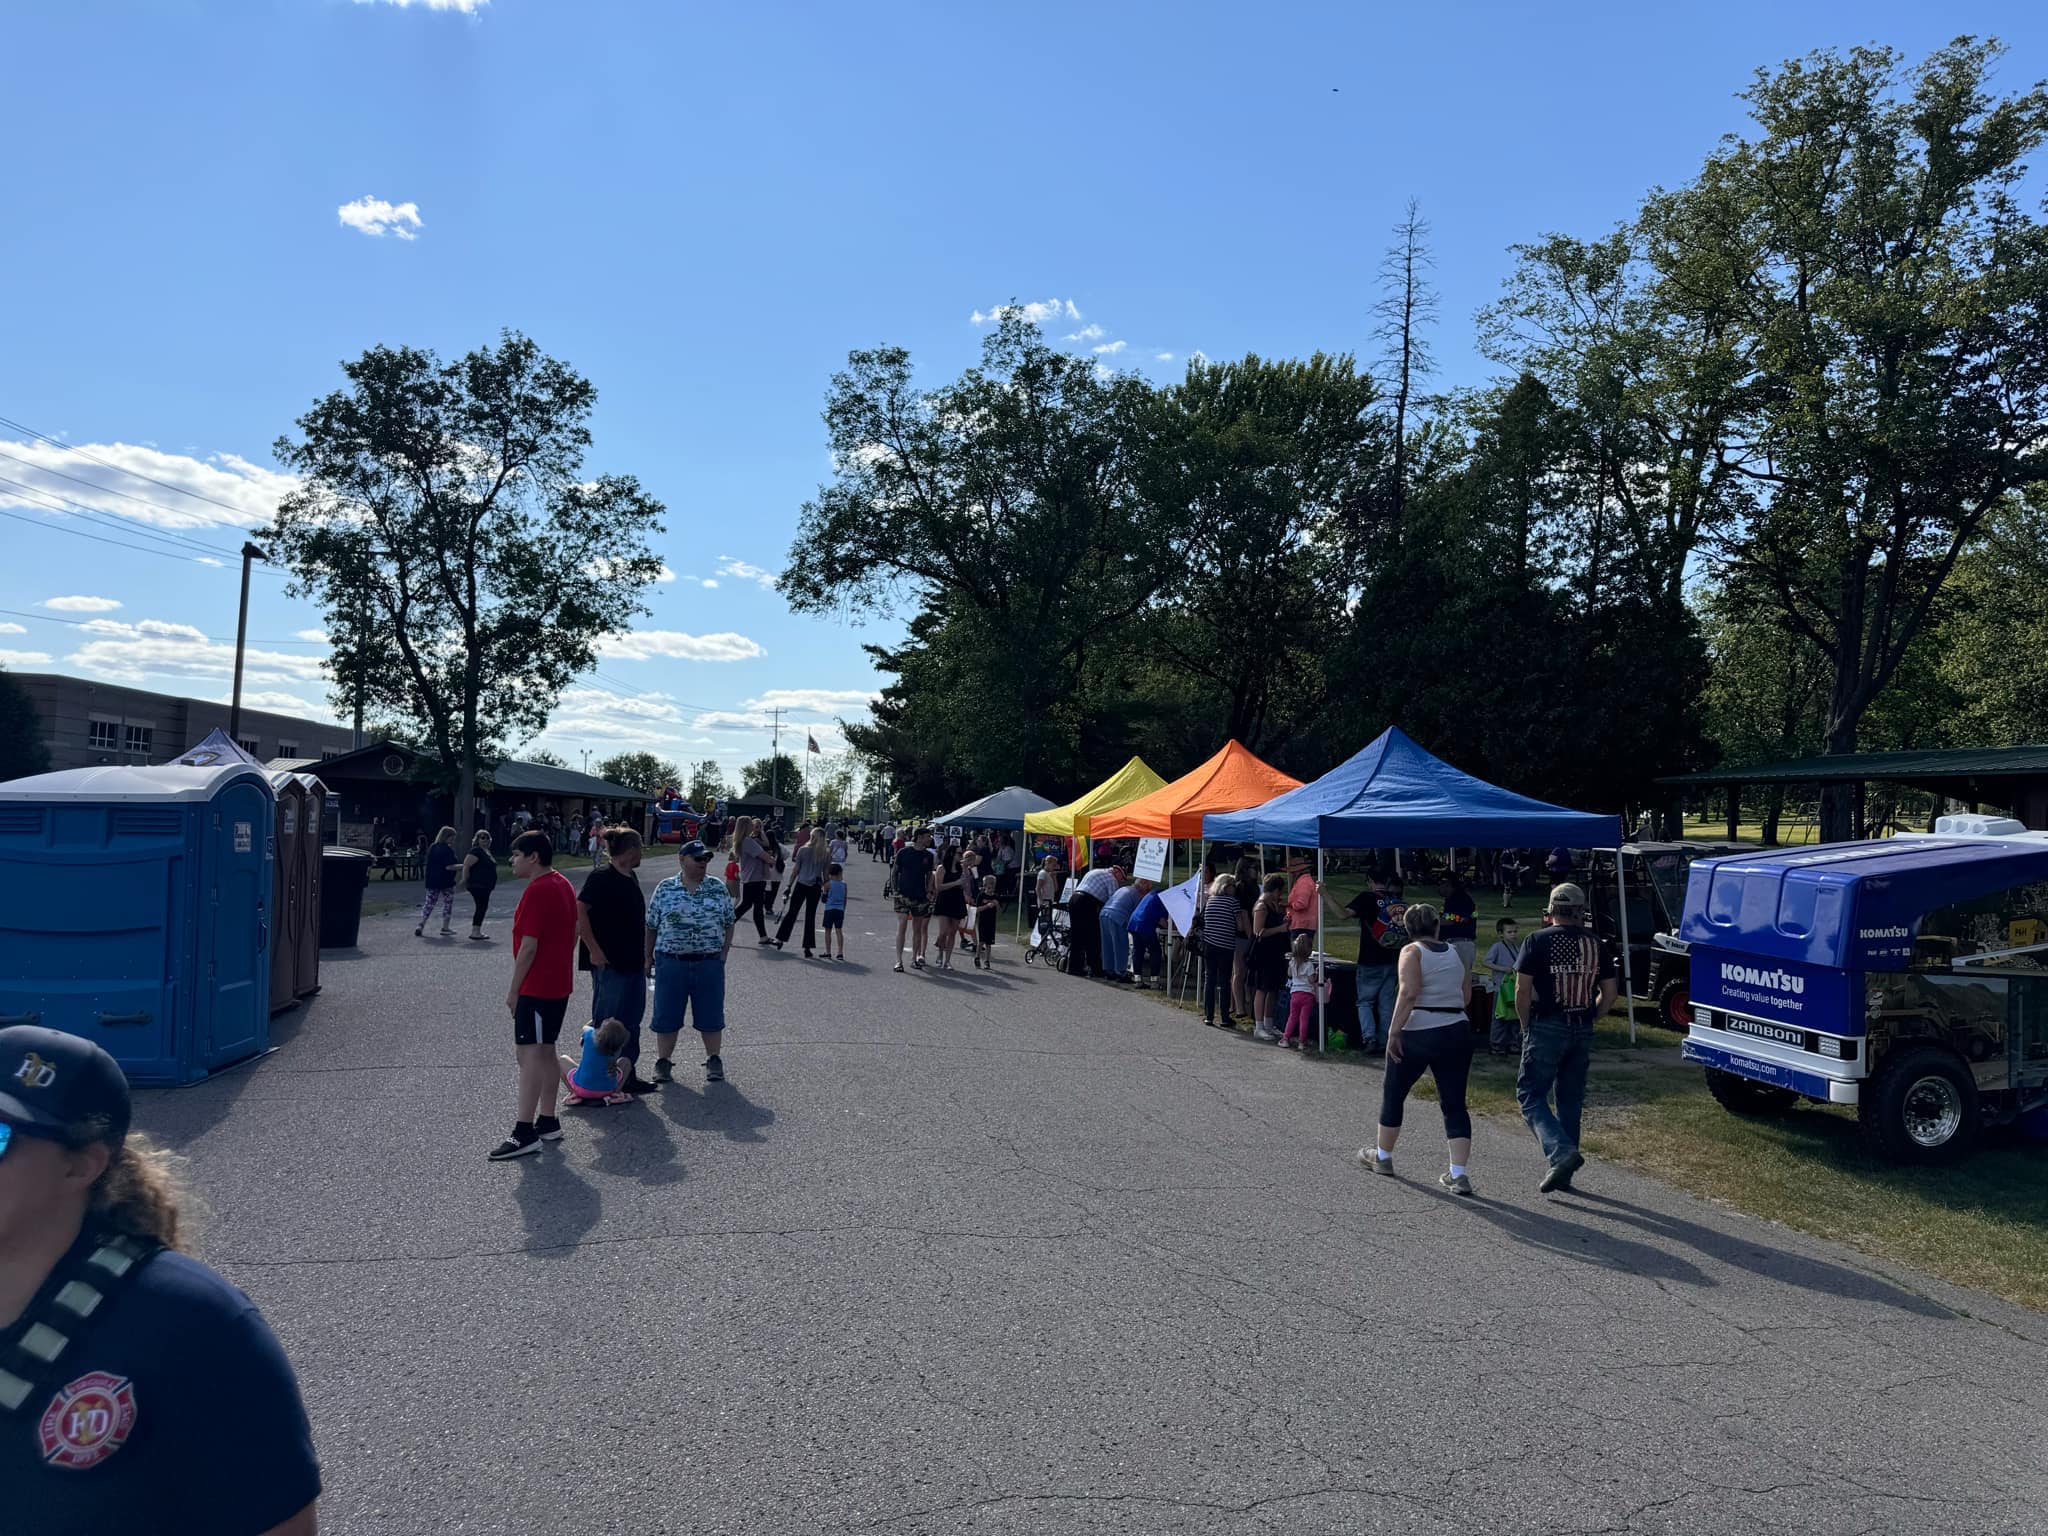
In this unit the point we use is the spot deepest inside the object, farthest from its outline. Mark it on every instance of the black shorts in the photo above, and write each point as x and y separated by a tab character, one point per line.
538	1020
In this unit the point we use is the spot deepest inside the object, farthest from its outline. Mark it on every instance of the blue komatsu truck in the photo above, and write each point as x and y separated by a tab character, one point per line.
1908	977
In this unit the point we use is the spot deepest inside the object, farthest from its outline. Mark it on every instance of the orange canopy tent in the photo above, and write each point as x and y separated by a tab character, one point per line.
1232	780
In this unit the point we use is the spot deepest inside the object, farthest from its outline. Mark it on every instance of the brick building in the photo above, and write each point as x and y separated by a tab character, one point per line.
86	724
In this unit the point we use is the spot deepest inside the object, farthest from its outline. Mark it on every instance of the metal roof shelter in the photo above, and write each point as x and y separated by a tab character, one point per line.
2013	778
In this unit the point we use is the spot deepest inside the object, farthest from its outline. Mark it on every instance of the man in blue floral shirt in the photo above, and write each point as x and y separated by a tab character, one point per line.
689	934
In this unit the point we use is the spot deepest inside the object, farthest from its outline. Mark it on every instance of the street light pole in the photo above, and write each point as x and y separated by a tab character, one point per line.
249	552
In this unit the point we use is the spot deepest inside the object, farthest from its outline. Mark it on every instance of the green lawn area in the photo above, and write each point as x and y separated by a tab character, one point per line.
1790	832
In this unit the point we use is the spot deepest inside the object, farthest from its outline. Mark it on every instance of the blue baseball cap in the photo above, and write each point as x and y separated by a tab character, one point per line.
693	849
51	1081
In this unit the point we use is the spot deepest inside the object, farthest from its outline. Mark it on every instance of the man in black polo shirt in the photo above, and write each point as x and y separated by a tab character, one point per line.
1379	909
611	922
1565	980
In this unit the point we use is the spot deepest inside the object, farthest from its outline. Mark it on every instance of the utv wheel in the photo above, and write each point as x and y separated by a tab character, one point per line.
1740	1096
1674	1004
1921	1107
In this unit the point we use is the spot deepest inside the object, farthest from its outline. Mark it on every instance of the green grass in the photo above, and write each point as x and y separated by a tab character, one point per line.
1790	832
1982	1223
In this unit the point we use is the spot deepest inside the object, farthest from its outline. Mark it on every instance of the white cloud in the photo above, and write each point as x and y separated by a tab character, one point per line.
466	7
1037	312
208	560
729	720
317	636
740	570
1162	357
79	604
1088	332
664	574
169	490
1109	348
12	629
816	701
377	218
281	703
1197	358
646	644
707	582
24	658
134	652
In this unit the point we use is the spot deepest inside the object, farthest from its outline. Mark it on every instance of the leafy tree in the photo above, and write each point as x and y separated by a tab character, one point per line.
22	749
465	562
639	770
547	758
1992	651
707	783
1868	246
1008	508
778	776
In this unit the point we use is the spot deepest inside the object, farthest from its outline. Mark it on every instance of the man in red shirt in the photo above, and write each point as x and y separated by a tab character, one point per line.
543	977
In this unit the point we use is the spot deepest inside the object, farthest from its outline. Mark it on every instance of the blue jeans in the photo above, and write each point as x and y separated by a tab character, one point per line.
1116	945
1556	1051
698	985
620	995
1150	956
1378	986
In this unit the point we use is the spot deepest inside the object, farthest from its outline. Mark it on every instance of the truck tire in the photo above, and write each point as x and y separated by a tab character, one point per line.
1740	1096
1674	1003
1921	1108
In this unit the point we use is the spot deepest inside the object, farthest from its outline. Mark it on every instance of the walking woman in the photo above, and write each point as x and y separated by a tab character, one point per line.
139	1391
808	884
440	876
480	878
1429	1034
950	905
756	866
1272	927
1223	924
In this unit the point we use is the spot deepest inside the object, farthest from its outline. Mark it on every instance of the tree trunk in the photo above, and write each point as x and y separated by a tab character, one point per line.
1840	800
1774	807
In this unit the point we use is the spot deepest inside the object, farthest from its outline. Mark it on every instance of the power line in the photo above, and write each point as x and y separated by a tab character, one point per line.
118	469
51	618
80	533
114	520
94	485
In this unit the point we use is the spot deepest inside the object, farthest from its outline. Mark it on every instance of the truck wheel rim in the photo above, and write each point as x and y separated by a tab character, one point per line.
1933	1111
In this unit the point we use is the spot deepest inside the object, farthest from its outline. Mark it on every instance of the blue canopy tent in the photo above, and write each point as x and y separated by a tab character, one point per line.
1394	794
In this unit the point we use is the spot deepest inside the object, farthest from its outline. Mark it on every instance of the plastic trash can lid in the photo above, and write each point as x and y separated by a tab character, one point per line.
331	851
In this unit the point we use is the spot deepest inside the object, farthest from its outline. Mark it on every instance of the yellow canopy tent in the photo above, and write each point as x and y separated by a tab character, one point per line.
1120	788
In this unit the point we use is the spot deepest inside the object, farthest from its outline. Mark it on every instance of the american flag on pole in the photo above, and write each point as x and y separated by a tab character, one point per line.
812	740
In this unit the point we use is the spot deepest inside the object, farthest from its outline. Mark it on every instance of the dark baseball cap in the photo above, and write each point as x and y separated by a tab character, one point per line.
51	1081
693	849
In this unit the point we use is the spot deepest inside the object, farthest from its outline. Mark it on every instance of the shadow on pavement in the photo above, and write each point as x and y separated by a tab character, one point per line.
631	1142
1587	1245
557	1204
1738	1252
717	1107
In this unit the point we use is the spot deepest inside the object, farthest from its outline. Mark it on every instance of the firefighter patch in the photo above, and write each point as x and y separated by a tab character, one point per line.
87	1420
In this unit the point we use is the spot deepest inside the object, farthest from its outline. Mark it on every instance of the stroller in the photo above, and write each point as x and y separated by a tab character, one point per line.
1050	938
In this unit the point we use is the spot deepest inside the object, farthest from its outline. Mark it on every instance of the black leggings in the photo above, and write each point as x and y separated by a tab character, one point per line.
806	897
1216	979
1445	1053
754	899
483	905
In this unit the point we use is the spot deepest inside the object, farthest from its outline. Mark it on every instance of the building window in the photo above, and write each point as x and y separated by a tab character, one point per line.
327	752
139	738
103	735
287	749
248	745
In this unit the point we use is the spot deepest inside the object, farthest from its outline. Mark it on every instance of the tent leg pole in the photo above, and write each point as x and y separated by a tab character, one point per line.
1628	980
1322	1024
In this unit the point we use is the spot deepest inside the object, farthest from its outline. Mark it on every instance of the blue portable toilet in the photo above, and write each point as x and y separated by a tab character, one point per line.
135	910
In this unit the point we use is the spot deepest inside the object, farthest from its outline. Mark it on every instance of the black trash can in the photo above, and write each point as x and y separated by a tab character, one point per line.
1340	1013
344	873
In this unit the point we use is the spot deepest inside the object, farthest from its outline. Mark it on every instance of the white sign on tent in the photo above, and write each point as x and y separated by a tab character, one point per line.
1180	903
1150	864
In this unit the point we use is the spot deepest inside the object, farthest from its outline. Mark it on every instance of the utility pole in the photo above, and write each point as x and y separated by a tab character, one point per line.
774	757
249	552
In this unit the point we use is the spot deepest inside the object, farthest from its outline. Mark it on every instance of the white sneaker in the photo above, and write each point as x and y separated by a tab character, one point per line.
1265	1032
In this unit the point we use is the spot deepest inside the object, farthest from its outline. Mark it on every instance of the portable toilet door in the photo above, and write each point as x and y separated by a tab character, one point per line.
115	911
238	876
290	903
306	972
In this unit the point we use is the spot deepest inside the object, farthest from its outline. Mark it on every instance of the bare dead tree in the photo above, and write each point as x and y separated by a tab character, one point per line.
1407	305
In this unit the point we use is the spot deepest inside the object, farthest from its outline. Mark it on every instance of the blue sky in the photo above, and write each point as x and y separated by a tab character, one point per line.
703	209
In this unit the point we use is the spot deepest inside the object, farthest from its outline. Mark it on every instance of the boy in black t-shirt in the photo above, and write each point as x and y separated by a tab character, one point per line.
611	923
1563	982
1382	931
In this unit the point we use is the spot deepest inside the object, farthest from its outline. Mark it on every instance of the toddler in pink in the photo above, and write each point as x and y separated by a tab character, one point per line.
1304	983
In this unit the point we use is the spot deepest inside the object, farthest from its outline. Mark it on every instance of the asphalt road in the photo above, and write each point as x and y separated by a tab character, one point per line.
1006	1253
